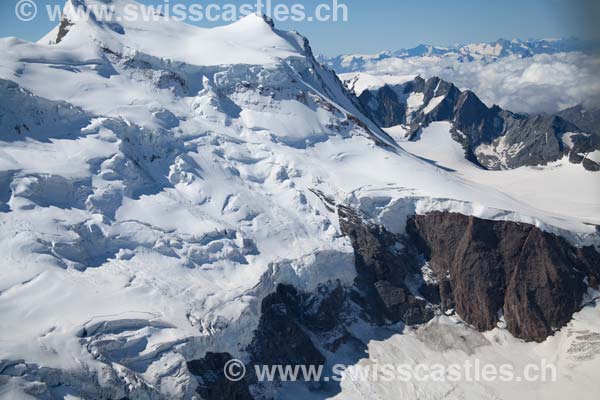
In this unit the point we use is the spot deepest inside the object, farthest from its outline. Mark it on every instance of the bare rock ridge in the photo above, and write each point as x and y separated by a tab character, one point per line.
535	278
492	137
63	29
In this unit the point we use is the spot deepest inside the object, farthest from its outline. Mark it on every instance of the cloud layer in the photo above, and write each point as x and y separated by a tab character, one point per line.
542	83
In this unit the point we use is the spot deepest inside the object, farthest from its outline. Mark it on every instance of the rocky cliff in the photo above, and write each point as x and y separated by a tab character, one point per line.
499	269
491	137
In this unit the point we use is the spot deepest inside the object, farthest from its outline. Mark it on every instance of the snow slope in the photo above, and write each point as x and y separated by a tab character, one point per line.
561	188
245	41
573	355
152	194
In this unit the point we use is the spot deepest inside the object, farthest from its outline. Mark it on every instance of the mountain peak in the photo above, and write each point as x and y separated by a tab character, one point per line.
251	24
250	40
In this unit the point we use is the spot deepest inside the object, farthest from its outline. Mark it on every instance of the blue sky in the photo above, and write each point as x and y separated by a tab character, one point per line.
378	25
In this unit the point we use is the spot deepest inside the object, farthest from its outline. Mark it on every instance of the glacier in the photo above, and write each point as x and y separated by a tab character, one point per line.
160	180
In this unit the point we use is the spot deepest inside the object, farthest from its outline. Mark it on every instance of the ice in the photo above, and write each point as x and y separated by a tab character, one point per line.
166	184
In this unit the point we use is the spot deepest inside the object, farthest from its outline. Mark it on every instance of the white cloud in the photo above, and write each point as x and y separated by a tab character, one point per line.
543	83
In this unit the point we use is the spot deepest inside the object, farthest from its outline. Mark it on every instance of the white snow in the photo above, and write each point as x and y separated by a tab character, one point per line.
360	82
594	156
433	103
248	41
414	101
574	352
561	189
159	213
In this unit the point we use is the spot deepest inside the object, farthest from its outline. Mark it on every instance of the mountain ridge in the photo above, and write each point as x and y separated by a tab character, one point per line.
492	137
486	51
165	209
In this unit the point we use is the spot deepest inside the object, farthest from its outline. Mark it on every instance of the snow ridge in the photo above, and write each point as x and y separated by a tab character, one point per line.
158	181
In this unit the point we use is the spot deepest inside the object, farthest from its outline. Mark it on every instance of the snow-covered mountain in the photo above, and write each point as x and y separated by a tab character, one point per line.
172	197
462	53
525	77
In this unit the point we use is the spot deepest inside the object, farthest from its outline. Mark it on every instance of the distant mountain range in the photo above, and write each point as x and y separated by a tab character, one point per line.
464	53
177	200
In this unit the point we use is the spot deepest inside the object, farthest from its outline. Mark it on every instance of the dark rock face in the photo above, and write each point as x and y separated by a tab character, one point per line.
536	278
385	107
280	338
509	140
513	140
588	119
585	118
539	140
382	271
63	29
291	323
212	383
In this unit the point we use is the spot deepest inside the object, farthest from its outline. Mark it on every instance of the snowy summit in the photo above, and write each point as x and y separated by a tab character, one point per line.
159	181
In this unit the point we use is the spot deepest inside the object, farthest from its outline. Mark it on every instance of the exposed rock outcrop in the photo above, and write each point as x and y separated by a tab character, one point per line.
212	382
492	137
586	118
292	327
383	265
63	29
535	278
280	338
